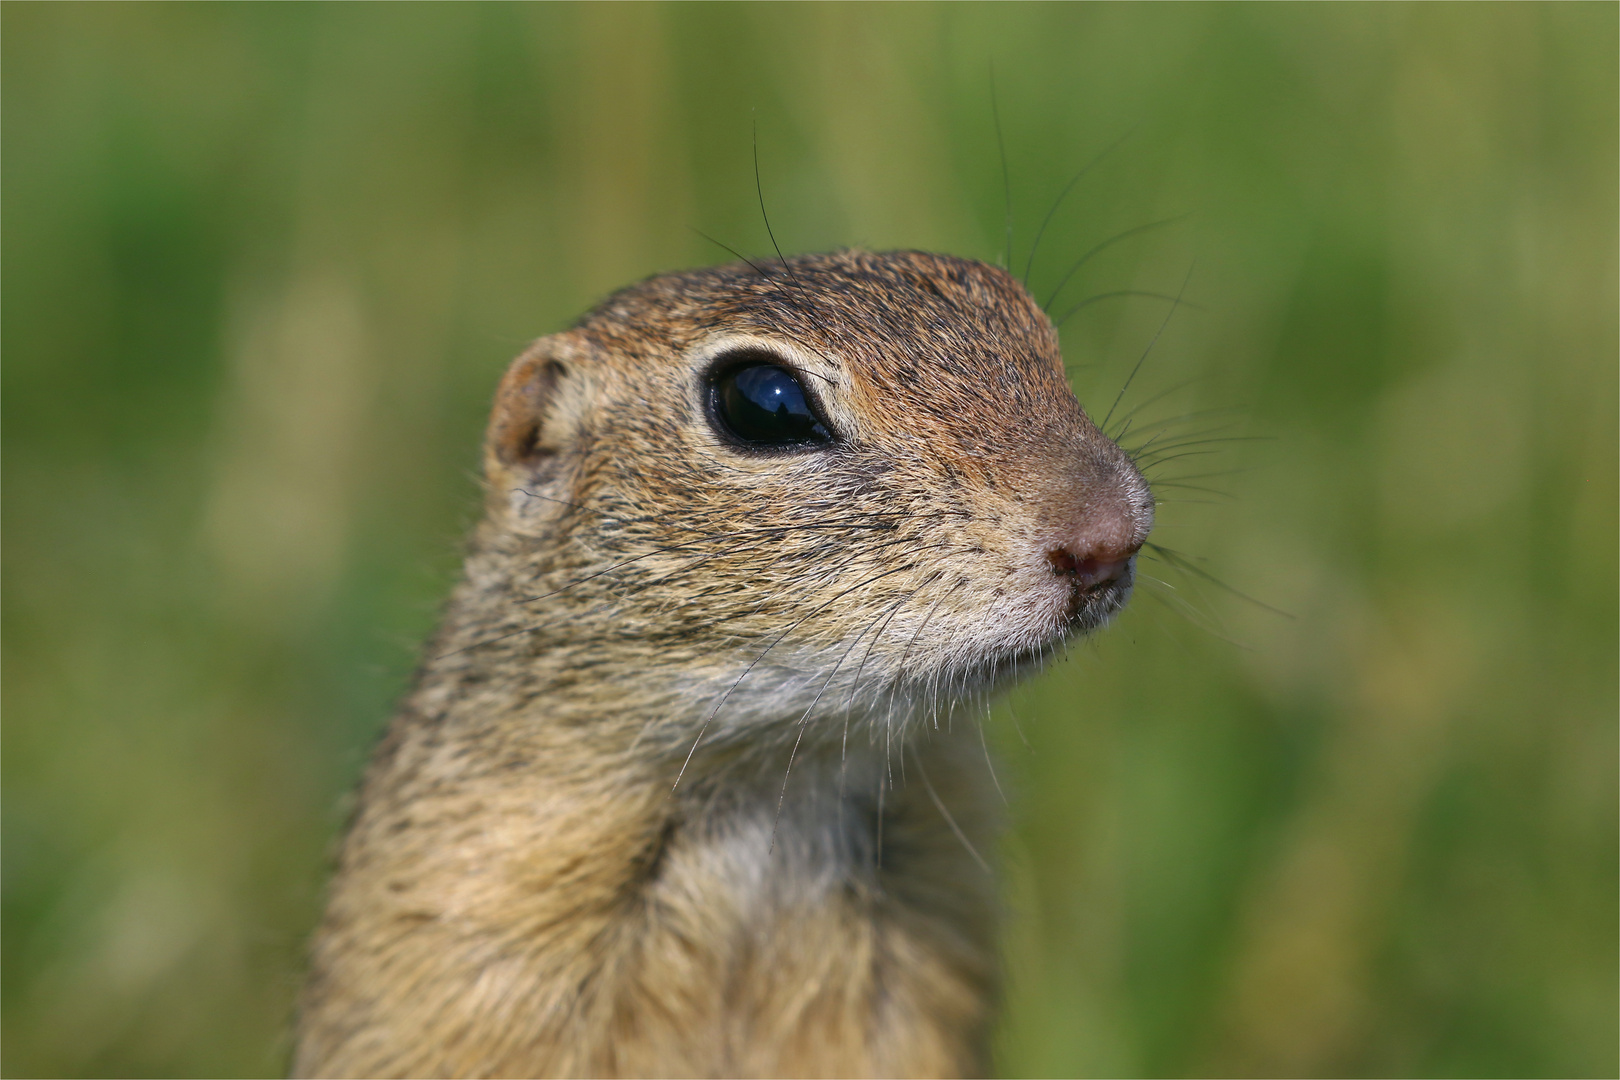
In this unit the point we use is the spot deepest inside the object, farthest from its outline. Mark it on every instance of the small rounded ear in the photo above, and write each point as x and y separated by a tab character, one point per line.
523	438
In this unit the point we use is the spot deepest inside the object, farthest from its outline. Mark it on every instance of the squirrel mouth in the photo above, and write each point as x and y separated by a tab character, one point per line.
1098	595
1089	607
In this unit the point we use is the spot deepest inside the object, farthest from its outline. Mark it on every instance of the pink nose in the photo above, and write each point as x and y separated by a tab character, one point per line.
1090	563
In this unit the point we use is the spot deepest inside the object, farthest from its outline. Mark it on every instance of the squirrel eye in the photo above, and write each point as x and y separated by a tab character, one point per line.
764	404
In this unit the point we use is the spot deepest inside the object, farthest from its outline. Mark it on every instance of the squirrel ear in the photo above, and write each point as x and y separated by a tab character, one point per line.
522	439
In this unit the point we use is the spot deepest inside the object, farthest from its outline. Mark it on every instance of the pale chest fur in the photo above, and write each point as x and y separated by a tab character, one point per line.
593	924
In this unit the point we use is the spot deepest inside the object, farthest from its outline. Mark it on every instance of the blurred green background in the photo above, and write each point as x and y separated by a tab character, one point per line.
262	266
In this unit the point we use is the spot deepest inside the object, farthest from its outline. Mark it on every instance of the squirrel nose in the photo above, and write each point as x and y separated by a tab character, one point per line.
1091	564
1097	547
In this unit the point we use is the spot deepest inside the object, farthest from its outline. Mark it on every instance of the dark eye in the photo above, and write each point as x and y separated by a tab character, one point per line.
764	404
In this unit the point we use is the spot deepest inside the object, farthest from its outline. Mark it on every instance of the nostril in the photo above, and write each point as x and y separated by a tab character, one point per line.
1089	567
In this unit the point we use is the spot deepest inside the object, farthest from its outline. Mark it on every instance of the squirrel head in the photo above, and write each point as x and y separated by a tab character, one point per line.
851	474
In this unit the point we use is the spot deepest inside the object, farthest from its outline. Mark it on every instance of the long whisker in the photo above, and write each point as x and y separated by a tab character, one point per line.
991	765
757	269
1047	220
1185	565
1158	484
1191	613
946	814
1235	411
855	687
803	302
900	667
1108	243
1088	301
1171	437
804	722
843	746
1174	457
1006	175
651	519
1202	438
752	265
1141	360
1212	475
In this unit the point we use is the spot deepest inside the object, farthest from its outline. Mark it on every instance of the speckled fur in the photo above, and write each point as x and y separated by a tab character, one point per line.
580	849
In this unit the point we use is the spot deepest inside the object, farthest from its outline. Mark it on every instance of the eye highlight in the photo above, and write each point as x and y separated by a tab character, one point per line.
758	402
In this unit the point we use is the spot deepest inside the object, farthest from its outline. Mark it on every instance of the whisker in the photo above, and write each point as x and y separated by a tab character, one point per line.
701	538
1208	475
698	561
801	303
1162	394
1168	431
855	687
1110	242
1140	361
1171	421
1185	565
1012	712
878	857
1206	439
1047	220
1088	301
663	524
989	764
1174	457
804	722
1006	176
900	667
1157	484
752	265
843	746
1171	439
1197	618
946	814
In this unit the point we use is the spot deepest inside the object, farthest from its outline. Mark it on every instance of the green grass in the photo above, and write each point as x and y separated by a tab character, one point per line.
263	264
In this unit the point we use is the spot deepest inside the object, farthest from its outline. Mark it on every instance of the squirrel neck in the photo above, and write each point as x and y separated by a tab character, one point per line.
611	768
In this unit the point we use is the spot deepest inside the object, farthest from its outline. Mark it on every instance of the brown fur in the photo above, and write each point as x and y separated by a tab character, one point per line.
581	848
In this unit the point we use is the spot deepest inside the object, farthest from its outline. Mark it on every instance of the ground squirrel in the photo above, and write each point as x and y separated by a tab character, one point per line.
674	792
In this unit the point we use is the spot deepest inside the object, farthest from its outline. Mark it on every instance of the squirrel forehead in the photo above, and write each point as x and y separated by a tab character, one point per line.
892	316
